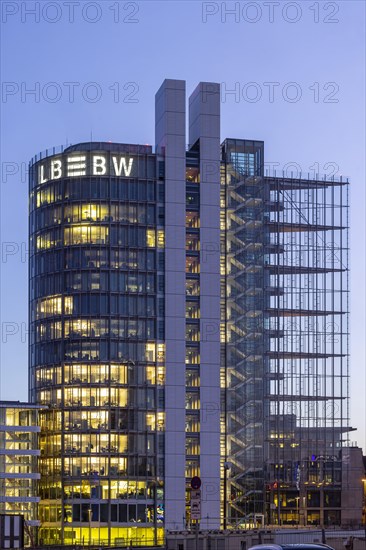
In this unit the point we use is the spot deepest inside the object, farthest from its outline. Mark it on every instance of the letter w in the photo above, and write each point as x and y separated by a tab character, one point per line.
122	165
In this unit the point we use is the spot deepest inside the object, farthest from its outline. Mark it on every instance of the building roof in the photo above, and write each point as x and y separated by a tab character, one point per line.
20	405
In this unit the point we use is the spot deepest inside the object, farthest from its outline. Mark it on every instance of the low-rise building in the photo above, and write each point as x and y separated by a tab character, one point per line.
19	452
353	474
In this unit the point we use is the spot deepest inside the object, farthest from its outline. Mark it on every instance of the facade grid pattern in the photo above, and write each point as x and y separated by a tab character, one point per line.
188	316
285	351
97	347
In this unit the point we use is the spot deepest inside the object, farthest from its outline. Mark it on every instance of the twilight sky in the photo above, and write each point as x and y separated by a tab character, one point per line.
78	69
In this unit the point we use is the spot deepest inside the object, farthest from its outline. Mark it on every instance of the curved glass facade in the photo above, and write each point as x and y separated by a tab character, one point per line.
97	352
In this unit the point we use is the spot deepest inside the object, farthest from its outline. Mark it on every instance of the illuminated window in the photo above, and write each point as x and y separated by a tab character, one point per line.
150	238
89	212
151	375
192	401
192	174
160	420
161	238
48	239
192	356
86	234
47	331
192	310
48	376
222	265
47	196
192	423
86	212
192	446
192	220
68	303
192	468
150	351
192	379
161	353
192	288
192	243
150	421
192	265
193	333
118	373
222	221
222	333
161	375
86	328
52	305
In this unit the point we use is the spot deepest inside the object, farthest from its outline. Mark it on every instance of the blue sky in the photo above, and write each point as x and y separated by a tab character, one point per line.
95	72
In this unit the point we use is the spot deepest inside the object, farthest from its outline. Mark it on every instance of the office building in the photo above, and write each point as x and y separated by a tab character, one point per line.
19	474
188	317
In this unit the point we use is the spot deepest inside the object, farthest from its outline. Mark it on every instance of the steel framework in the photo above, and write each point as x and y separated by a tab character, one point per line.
285	340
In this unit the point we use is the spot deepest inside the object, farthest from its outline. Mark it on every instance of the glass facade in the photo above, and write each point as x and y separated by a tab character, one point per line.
19	474
243	331
193	316
284	342
97	343
167	347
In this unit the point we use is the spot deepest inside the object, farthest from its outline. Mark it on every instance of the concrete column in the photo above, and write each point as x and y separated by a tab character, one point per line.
170	141
204	128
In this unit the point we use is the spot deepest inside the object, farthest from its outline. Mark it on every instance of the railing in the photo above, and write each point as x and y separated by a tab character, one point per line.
48	152
305	176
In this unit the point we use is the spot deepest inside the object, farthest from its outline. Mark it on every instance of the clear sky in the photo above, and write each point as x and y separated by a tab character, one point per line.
297	70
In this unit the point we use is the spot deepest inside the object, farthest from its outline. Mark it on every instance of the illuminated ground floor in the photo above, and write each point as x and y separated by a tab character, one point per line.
103	535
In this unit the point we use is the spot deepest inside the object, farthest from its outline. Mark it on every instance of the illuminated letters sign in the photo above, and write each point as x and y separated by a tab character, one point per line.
86	164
